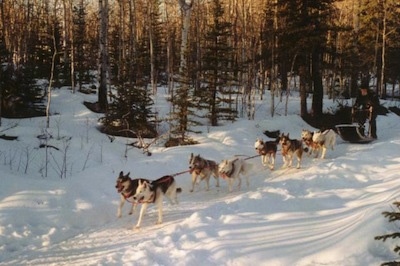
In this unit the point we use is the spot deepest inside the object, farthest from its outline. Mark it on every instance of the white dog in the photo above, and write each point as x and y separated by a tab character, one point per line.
232	169
326	140
153	192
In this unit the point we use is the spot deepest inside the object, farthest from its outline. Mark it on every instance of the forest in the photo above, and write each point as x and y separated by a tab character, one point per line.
211	55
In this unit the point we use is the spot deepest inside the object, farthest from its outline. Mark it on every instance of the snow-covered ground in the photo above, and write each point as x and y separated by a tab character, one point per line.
326	213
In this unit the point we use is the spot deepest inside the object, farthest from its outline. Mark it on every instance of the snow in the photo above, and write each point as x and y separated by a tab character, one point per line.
326	213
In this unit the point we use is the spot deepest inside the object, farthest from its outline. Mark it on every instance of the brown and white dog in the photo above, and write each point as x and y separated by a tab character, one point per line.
148	192
313	147
203	168
232	169
127	186
267	150
319	141
326	140
290	148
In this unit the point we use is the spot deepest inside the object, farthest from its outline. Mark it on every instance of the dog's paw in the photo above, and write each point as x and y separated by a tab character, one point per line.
136	228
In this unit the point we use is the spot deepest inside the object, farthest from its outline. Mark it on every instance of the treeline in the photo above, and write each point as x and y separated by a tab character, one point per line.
211	54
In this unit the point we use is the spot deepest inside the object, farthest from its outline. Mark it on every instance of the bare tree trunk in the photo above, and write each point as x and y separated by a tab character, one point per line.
303	91
186	11
66	30
273	72
103	47
52	70
72	56
131	40
382	89
121	45
170	57
153	74
185	7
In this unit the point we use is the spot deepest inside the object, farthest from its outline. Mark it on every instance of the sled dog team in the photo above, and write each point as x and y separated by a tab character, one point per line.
143	191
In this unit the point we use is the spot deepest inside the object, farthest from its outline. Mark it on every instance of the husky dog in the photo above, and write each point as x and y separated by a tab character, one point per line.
127	188
290	148
312	147
267	150
204	168
153	192
325	140
232	169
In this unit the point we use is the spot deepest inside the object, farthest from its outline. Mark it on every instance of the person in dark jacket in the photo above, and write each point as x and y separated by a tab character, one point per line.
368	101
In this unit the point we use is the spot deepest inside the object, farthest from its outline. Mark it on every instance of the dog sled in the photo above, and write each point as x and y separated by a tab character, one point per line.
359	130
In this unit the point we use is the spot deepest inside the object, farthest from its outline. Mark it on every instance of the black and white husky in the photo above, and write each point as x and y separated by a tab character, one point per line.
153	192
203	168
233	169
267	150
127	186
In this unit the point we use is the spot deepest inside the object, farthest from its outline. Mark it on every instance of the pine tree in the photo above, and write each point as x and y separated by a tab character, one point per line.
304	27
393	216
80	41
129	113
219	89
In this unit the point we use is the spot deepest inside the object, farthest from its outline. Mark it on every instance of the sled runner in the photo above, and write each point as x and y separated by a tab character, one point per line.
352	133
358	131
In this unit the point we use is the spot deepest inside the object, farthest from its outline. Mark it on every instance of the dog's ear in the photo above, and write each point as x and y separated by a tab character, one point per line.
127	175
146	184
121	174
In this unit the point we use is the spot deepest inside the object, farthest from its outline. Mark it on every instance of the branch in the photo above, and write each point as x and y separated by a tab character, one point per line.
48	146
392	216
9	127
385	237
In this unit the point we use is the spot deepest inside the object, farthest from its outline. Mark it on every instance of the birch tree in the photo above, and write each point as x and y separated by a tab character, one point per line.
180	101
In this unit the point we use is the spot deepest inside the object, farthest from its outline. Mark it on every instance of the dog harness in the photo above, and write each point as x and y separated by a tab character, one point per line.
163	183
205	164
311	143
229	174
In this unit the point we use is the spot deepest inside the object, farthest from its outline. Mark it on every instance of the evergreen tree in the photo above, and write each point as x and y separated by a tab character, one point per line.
80	42
305	28
393	216
129	113
217	93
